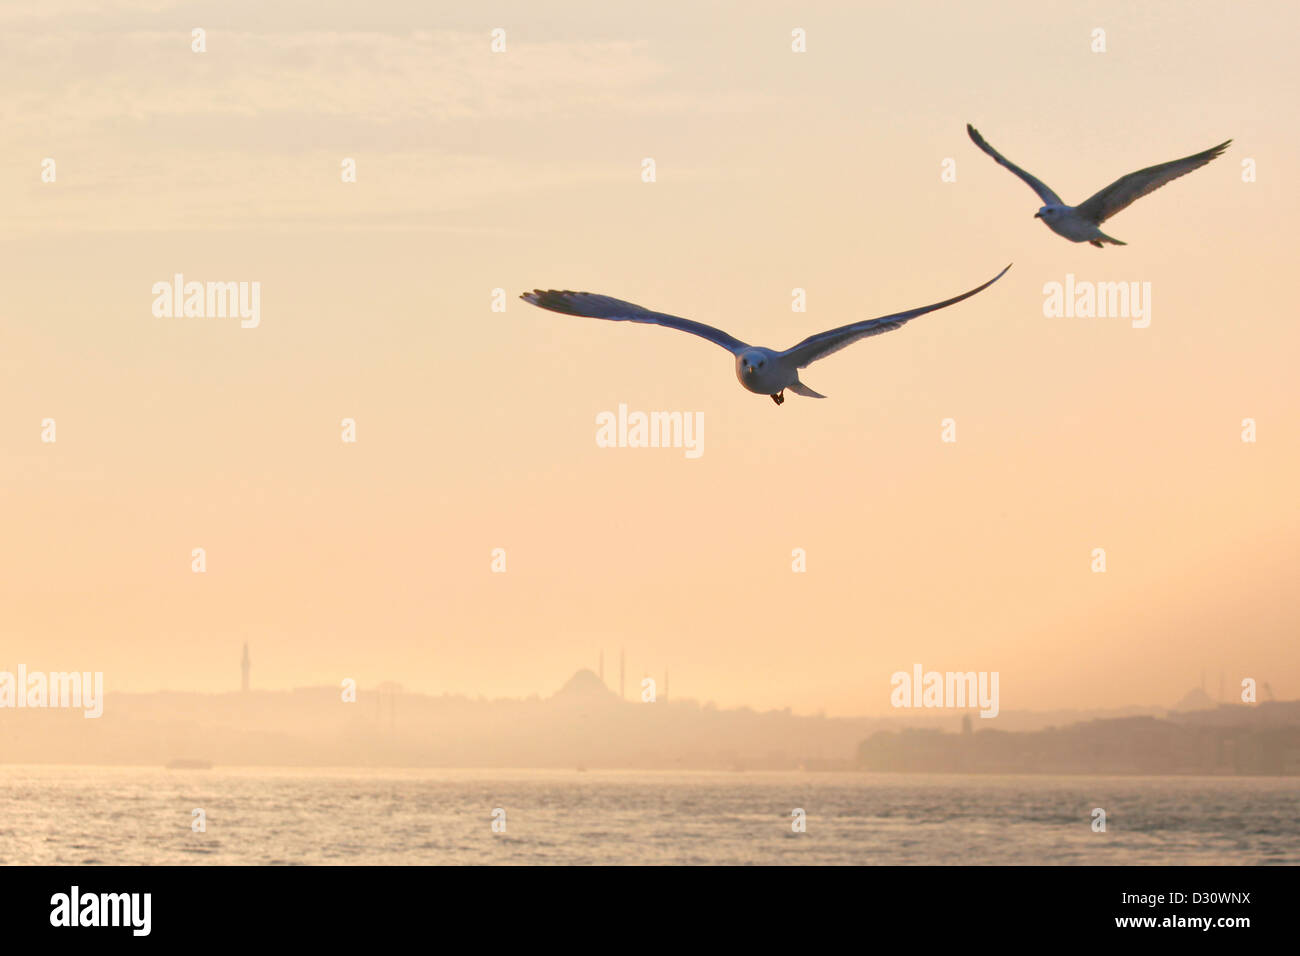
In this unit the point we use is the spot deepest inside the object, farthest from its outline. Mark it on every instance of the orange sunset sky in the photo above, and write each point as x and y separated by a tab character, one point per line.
775	170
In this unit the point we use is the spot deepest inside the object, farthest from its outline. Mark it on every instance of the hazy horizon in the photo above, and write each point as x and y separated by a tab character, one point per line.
1214	694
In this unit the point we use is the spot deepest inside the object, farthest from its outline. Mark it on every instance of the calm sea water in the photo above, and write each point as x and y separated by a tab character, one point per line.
102	815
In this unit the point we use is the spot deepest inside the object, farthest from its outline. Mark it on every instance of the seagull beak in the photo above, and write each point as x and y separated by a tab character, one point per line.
1038	215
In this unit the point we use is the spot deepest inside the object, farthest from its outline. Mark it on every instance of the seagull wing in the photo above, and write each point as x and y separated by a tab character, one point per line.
1037	185
1130	188
824	343
616	310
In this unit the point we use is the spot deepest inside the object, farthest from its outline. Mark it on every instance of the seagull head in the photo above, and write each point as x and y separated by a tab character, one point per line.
1047	212
752	362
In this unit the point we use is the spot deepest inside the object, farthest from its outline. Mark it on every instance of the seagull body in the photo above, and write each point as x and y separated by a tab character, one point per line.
760	370
1082	223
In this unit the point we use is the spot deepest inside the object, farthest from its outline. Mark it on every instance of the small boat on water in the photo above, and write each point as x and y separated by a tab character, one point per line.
189	763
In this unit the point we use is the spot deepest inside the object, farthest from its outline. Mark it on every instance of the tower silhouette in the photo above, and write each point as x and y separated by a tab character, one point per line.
622	659
245	666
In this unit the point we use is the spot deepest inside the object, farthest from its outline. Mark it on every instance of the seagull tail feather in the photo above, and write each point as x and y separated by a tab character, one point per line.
799	388
1102	239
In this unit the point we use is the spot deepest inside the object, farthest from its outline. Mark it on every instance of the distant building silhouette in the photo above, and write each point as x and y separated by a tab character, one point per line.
622	660
245	666
584	685
586	724
1228	739
1195	699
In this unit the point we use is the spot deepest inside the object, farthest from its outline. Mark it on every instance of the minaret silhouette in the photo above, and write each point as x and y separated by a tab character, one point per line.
245	666
622	659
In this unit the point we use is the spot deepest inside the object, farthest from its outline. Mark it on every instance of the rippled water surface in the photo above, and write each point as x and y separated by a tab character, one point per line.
103	815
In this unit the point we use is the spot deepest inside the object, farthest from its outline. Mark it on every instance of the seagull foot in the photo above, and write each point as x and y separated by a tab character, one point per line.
779	397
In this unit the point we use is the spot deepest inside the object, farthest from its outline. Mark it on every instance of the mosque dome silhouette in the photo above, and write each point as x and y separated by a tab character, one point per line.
584	685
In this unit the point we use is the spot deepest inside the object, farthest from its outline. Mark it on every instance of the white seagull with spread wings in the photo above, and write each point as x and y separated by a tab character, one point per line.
1079	223
760	370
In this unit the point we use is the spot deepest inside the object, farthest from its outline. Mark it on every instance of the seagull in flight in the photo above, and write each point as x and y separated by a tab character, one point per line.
1079	223
760	370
